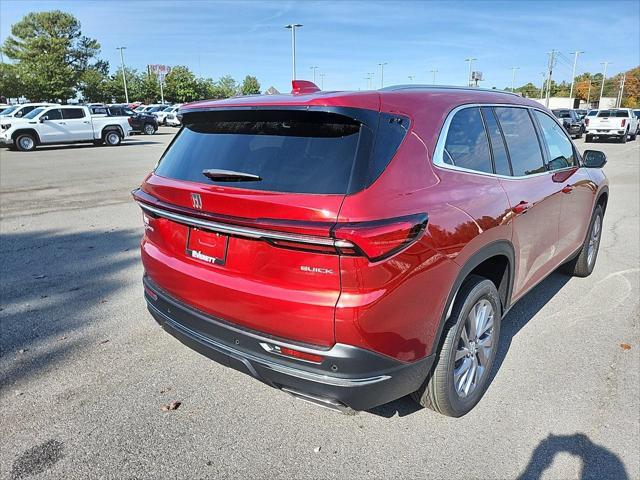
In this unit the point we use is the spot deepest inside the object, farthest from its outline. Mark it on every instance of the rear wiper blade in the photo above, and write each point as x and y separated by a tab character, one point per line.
230	176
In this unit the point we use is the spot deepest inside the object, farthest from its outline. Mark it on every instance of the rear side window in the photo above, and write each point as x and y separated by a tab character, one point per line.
560	149
467	145
295	151
500	157
522	141
71	113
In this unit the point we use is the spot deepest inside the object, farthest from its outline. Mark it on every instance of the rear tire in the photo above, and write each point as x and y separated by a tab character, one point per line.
25	142
460	375
112	138
583	264
148	129
623	138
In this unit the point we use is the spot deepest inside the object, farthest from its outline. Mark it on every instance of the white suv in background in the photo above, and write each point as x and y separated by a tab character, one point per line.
20	110
620	123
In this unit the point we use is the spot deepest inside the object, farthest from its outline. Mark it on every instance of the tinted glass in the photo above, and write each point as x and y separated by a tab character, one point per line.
71	113
8	111
33	113
99	110
561	154
466	145
522	141
613	113
301	152
53	114
562	113
592	113
500	158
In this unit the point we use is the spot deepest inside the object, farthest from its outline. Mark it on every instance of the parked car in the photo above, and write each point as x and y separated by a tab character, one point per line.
618	123
20	110
636	113
59	124
172	119
581	113
308	241
570	121
140	122
161	115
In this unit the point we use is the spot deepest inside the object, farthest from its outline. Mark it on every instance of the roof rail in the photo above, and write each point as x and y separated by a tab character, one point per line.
413	86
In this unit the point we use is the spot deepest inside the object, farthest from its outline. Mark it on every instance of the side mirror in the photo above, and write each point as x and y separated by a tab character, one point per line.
594	159
42	119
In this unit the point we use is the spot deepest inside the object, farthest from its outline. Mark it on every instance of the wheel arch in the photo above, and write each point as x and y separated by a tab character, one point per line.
32	131
496	262
110	128
603	198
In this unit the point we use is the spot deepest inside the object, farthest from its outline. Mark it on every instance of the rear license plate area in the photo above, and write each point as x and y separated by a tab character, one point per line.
207	247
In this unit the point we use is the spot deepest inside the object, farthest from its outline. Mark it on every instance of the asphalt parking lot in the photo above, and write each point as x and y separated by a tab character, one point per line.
85	371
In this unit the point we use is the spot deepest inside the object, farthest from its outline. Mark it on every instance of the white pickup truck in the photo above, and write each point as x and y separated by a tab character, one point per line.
56	124
617	122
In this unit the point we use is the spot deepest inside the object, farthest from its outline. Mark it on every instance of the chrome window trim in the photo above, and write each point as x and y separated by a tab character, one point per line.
249	232
438	153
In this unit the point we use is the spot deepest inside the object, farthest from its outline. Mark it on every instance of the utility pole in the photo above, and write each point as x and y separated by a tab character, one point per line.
552	63
623	80
513	77
371	75
322	81
381	65
589	94
434	71
314	73
604	77
470	60
292	27
573	73
368	79
124	77
544	82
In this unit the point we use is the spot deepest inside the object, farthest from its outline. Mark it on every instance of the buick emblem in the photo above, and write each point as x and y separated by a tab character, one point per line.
196	200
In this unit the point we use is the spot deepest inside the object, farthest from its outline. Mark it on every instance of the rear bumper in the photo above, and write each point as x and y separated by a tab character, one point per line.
605	132
349	378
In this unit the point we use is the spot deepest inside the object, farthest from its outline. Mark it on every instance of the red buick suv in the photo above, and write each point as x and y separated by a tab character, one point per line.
351	248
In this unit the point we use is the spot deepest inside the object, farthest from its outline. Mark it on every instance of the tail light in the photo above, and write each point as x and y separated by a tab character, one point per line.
624	122
586	122
290	352
381	239
130	120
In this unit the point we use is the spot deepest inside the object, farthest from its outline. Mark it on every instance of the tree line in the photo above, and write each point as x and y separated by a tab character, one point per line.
587	87
53	61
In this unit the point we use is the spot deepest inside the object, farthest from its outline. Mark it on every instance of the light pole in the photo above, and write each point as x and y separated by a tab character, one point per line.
513	77
604	76
314	73
292	27
381	65
124	77
470	60
573	73
371	75
434	71
544	82
322	81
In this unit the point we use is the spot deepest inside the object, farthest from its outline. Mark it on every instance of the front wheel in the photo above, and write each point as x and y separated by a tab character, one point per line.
463	365
148	129
112	138
25	142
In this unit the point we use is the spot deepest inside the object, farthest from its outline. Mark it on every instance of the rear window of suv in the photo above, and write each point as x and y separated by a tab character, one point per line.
613	113
293	151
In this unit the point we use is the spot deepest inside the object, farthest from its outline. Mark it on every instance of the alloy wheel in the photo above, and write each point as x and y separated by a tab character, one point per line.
26	142
474	351
594	240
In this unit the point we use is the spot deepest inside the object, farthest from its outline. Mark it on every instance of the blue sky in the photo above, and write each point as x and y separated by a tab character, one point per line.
346	40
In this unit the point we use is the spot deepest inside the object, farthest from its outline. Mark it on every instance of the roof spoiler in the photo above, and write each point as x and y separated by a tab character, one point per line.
300	87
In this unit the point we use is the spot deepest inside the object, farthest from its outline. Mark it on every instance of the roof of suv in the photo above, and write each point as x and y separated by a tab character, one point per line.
369	99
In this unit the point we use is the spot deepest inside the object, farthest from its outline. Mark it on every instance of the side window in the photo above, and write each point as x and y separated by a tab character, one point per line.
53	114
522	141
500	158
71	113
561	154
466	145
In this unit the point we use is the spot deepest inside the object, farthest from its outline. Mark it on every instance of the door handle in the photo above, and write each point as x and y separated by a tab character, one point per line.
522	207
567	189
62	123
85	122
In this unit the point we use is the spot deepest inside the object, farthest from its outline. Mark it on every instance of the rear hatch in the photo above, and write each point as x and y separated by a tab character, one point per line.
240	209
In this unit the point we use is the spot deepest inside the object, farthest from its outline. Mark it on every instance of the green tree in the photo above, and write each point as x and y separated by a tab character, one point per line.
181	85
150	88
50	54
10	81
250	86
94	83
115	86
206	88
225	87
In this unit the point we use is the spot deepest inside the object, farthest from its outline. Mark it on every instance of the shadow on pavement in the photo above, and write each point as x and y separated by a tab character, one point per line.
52	285
598	463
512	323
